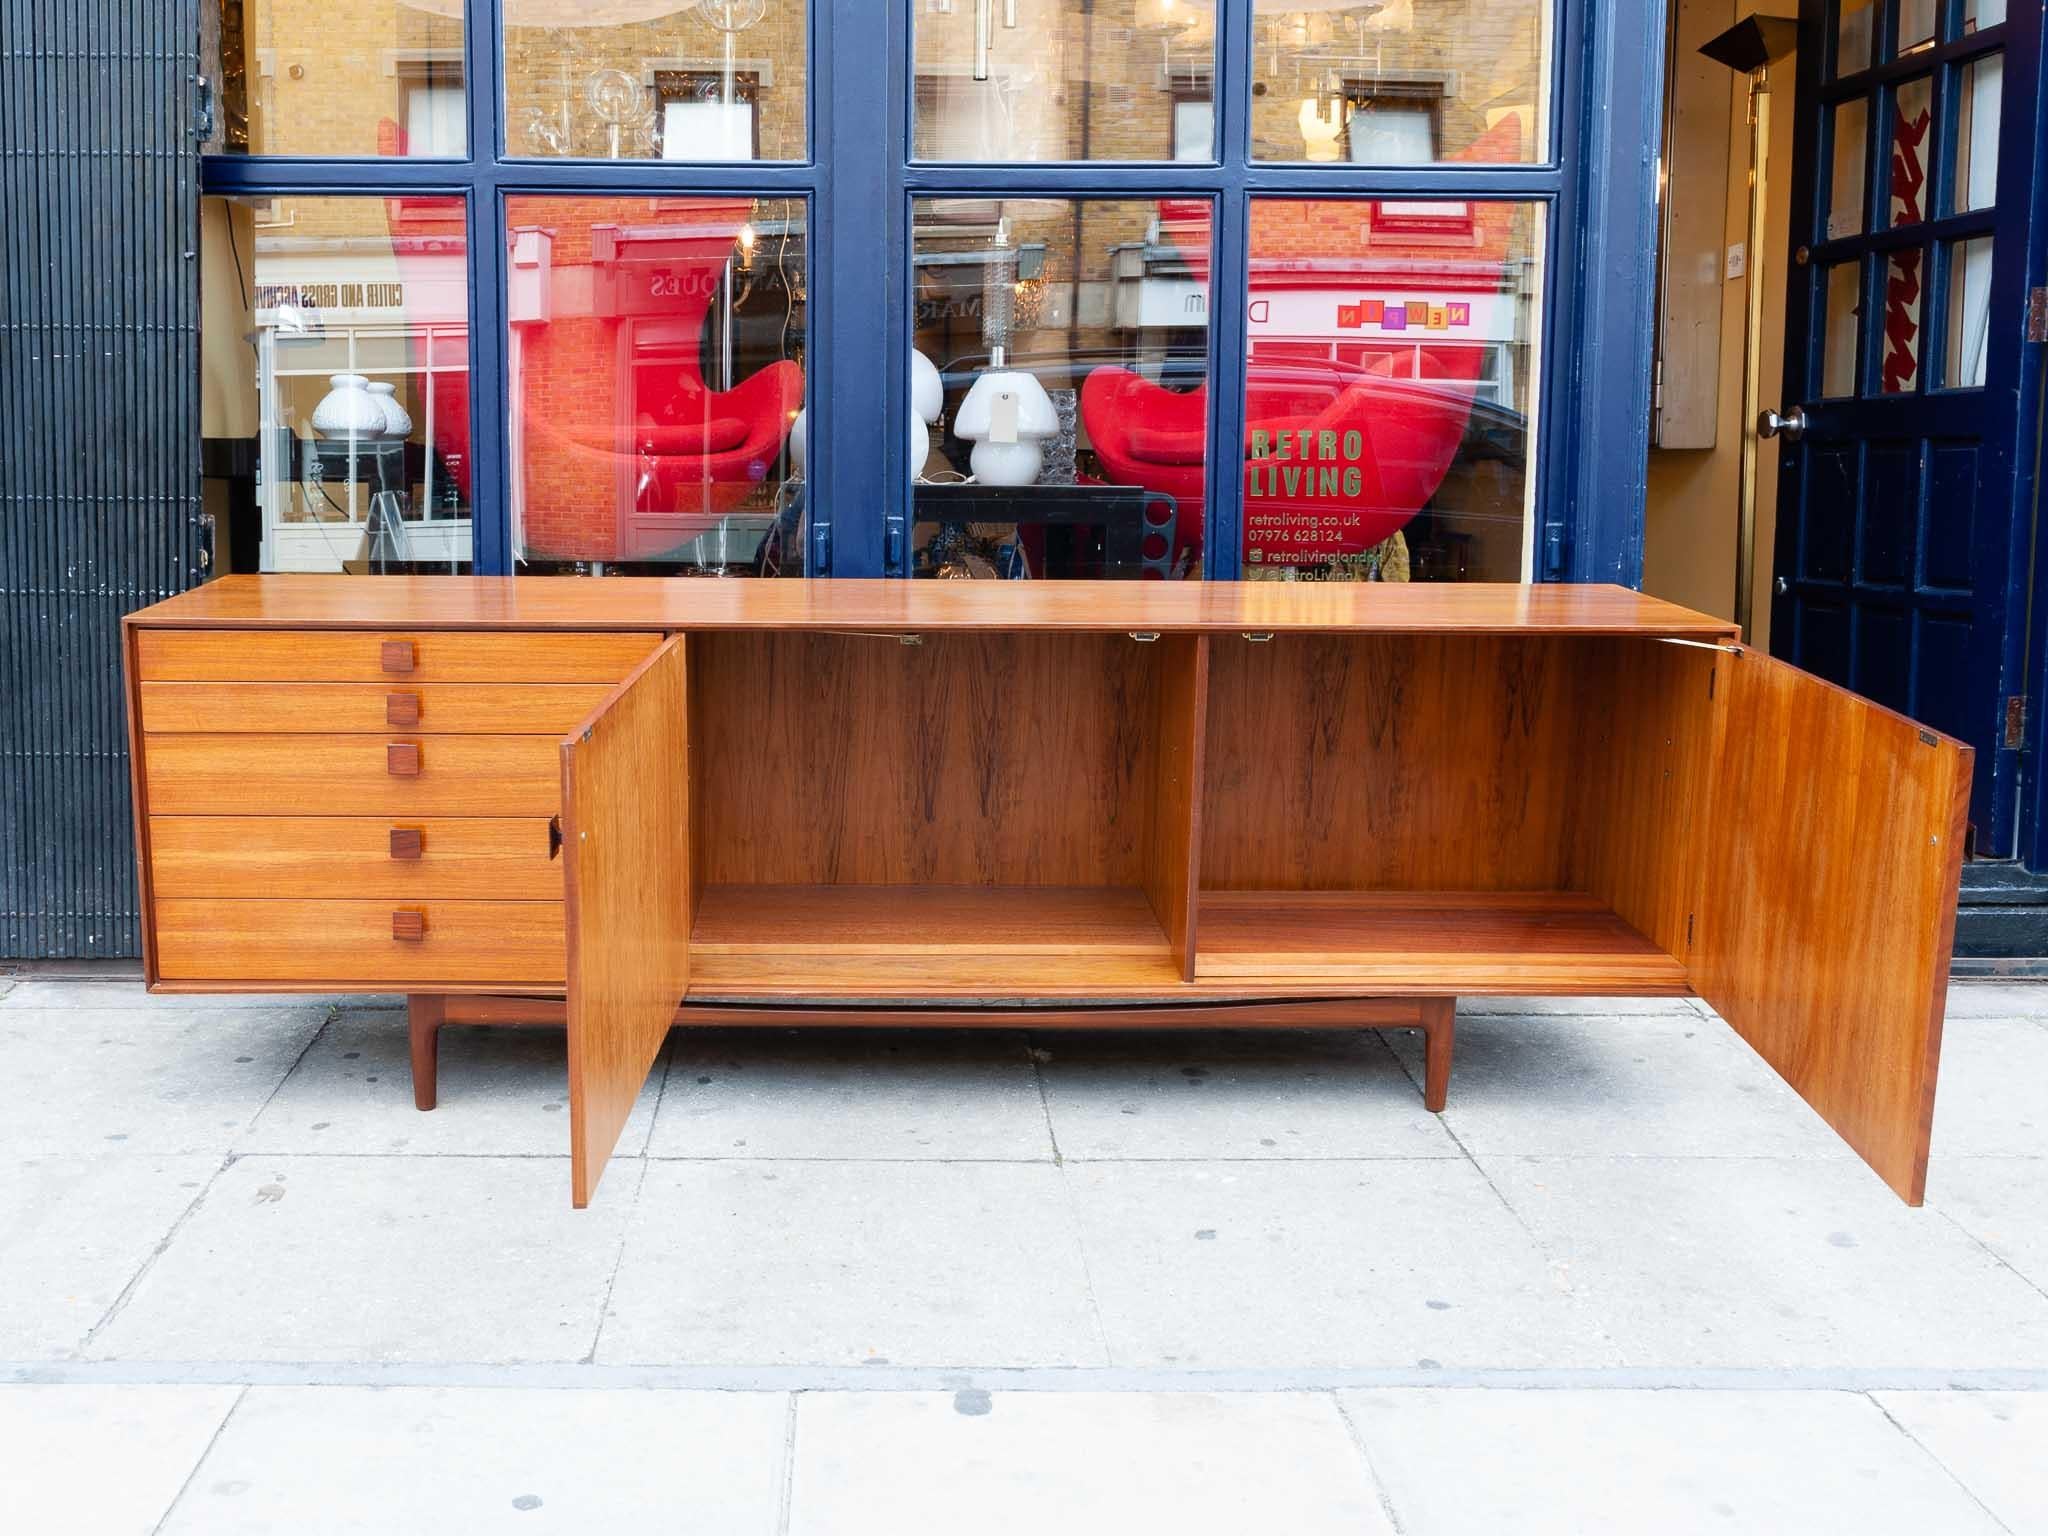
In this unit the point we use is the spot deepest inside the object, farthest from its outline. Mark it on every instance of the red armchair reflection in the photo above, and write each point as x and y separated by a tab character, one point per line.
1341	451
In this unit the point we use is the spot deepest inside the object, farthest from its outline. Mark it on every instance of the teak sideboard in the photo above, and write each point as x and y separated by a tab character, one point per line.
631	802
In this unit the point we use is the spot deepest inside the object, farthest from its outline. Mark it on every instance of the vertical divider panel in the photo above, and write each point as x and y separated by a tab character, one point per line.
626	865
1173	842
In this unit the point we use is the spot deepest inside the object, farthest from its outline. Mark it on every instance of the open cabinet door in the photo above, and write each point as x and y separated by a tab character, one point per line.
626	851
1831	853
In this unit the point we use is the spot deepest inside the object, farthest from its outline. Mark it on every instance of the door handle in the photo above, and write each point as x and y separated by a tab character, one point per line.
1792	424
1782	586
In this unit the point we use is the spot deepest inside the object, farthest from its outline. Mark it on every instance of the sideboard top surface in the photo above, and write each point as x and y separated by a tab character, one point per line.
681	603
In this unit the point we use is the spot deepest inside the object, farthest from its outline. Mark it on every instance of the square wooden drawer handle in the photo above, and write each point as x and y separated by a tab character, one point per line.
408	842
409	924
398	655
402	710
402	759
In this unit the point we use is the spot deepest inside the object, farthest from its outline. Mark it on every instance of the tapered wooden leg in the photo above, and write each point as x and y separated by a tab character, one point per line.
424	1017
1439	1030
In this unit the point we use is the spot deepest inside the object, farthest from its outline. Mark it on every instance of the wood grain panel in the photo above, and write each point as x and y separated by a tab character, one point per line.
925	920
350	776
466	943
969	759
1171	856
1430	942
481	859
418	605
1828	901
357	655
626	847
1391	763
953	976
1638	801
502	709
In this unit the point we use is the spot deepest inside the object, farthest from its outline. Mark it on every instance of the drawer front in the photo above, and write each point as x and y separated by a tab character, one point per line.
367	858
396	775
370	656
504	709
352	944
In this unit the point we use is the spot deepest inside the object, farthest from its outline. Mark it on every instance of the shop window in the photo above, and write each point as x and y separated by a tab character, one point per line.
1060	387
1389	414
715	80
1400	83
1036	80
655	376
336	403
342	77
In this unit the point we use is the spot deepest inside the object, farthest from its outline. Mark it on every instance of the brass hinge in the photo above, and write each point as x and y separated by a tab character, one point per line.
2016	722
2037	314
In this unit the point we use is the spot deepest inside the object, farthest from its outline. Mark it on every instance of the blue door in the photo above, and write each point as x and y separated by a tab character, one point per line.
1905	511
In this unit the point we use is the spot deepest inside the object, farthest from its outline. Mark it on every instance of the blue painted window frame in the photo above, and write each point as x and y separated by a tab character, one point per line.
1598	192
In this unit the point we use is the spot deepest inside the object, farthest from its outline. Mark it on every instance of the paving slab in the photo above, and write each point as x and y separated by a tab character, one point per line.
1994	1443
1233	1094
1374	1263
1563	1463
850	1263
126	1080
2002	1202
130	993
380	1259
1587	1007
850	1093
1771	1262
1194	1464
1999	1000
1992	1096
503	1092
343	1460
1635	1084
74	1230
101	1461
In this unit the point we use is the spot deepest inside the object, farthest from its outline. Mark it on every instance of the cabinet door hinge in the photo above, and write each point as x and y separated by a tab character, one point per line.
2037	314
2016	723
202	108
1553	551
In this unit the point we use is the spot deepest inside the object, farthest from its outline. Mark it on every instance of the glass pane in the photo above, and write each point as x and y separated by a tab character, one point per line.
1059	79
1903	290
1395	82
1978	14
1969	312
1981	85
329	444
1839	330
656	383
1390	390
342	77
1916	25
1855	33
1911	145
656	79
1061	366
1846	190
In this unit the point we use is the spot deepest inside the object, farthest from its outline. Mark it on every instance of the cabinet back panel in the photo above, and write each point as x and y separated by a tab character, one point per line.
1391	762
969	759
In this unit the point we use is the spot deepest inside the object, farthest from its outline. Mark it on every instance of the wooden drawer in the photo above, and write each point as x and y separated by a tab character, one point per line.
368	858
350	944
505	709
370	656
352	775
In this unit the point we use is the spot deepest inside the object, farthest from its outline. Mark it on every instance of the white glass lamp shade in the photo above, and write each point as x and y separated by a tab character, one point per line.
920	446
396	422
799	443
348	409
927	392
1006	415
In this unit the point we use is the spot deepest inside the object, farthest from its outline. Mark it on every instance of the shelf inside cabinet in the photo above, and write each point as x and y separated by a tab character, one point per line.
1429	942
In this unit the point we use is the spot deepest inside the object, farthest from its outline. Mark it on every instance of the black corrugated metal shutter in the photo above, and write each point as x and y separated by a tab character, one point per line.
99	435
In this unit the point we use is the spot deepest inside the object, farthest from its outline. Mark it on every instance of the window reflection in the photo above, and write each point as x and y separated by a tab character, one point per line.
655	371
1060	362
1389	390
336	400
